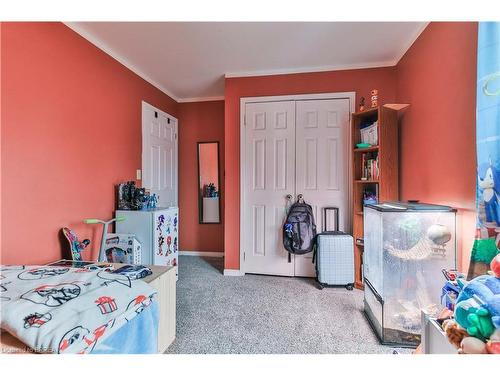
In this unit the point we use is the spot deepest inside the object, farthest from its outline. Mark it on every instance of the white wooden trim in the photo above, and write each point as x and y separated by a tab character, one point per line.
201	99
228	272
324	68
351	95
213	254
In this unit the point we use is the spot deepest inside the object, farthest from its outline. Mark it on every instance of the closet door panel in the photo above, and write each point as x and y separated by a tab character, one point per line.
322	139
269	175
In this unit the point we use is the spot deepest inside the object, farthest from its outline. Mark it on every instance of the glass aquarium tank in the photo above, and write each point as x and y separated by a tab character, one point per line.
406	247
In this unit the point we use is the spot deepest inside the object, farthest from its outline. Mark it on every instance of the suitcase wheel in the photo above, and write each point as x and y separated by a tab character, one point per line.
320	286
349	286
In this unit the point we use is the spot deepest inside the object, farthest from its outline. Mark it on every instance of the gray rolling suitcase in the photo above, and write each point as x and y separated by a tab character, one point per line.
334	255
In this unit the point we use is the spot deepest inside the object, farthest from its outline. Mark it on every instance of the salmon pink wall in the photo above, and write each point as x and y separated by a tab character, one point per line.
437	76
71	130
198	122
361	81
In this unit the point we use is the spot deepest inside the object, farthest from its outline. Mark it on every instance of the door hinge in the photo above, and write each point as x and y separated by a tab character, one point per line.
244	256
245	121
175	136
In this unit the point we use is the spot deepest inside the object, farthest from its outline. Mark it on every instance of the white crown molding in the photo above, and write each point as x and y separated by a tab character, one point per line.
326	68
105	48
201	99
213	254
410	42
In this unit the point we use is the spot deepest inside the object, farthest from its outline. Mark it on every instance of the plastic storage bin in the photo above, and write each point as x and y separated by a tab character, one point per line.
369	134
406	247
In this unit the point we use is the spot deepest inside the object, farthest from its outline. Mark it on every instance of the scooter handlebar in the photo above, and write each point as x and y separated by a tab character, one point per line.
92	221
97	221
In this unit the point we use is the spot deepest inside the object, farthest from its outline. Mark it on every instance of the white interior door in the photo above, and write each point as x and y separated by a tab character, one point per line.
159	154
269	175
322	138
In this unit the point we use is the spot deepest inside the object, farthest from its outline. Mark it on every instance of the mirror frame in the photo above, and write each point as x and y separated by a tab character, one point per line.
200	197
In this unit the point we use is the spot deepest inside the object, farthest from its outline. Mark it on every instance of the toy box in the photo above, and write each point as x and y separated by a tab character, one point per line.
123	248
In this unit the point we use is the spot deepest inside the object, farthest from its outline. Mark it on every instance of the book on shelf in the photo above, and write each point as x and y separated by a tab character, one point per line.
370	170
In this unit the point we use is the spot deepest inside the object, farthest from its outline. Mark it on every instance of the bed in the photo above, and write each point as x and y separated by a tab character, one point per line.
50	309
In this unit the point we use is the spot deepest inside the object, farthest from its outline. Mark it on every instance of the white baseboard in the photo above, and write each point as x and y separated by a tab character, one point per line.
213	254
228	272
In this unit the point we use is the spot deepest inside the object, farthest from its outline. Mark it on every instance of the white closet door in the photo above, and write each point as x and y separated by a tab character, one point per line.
269	176
159	154
322	136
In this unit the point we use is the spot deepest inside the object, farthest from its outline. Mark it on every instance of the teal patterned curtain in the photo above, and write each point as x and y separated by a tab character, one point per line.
488	148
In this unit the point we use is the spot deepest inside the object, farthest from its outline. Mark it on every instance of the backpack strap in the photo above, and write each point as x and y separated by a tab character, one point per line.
315	248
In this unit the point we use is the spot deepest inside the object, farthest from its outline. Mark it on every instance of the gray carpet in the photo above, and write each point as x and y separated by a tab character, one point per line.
266	314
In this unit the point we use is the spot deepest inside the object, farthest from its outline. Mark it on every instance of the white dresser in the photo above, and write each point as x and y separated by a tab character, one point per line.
158	232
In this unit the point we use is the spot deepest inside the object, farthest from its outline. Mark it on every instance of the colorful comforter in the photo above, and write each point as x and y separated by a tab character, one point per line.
67	310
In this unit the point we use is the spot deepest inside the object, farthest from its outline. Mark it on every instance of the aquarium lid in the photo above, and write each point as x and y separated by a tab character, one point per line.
410	206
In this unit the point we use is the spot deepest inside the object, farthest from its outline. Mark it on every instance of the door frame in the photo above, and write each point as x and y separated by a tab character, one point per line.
149	106
350	95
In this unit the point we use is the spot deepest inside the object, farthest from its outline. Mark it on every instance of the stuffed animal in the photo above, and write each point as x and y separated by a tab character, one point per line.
495	266
472	345
493	344
478	306
454	332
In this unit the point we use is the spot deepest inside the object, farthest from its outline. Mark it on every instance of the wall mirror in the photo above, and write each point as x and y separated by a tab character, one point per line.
208	183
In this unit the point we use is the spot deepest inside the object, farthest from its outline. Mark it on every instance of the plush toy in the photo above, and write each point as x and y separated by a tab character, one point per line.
475	319
495	266
493	344
478	306
472	345
454	332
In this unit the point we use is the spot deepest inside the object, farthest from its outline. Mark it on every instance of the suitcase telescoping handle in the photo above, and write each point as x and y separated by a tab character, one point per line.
325	215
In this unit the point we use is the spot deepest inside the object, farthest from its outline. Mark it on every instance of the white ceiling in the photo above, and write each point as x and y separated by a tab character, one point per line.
188	60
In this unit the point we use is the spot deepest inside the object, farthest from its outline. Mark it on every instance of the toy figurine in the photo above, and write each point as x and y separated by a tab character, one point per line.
362	104
131	197
374	98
